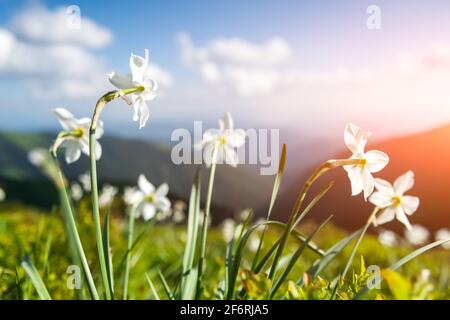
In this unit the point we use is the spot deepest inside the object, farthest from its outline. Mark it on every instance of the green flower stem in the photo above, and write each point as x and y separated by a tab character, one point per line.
128	258
70	222
355	247
108	97
96	214
328	165
204	233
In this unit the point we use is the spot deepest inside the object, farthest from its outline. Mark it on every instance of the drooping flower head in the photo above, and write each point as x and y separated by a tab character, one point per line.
139	77
75	137
226	139
393	201
149	200
373	161
2	195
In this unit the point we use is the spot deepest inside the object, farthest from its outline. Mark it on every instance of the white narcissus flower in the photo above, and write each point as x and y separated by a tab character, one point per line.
373	161
77	139
254	242
226	138
2	195
393	202
417	235
107	195
139	77
388	238
85	179
130	195
76	191
179	211
228	229
443	234
149	200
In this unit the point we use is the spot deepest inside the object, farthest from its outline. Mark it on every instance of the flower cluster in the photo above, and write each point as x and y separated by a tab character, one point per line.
390	199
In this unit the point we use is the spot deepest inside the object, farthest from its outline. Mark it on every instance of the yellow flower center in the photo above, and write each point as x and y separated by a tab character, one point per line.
222	140
150	198
396	201
78	133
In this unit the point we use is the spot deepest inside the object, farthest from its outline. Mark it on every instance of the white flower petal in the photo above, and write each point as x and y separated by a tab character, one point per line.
404	183
163	204
98	150
410	204
73	151
66	119
210	135
380	199
236	138
139	66
144	113
231	156
384	187
401	216
162	190
356	179
208	153
368	183
386	215
356	138
228	123
145	185
121	81
376	160
148	211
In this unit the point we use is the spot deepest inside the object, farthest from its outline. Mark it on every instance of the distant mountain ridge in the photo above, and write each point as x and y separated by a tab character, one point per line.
122	162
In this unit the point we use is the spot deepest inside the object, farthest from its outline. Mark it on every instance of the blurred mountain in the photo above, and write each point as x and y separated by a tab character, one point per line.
427	154
121	163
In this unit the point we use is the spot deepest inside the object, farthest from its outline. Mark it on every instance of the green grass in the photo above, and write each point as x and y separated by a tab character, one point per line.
41	235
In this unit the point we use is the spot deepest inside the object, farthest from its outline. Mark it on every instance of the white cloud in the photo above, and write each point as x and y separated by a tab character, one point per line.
237	65
37	23
55	61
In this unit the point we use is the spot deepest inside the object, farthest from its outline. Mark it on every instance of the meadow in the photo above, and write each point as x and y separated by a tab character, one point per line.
136	243
41	235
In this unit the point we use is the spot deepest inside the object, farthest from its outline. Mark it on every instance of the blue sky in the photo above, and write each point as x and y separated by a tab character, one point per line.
308	65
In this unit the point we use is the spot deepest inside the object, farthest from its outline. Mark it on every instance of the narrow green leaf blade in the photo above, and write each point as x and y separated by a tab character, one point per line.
36	279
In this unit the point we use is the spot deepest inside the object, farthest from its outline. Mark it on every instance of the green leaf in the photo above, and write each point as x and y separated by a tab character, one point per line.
295	257
399	285
321	263
36	279
405	260
276	187
107	252
165	285
152	286
189	276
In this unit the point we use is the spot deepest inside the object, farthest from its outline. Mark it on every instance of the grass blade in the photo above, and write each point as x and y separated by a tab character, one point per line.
36	279
189	276
321	263
107	252
295	257
152	286
405	260
165	285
